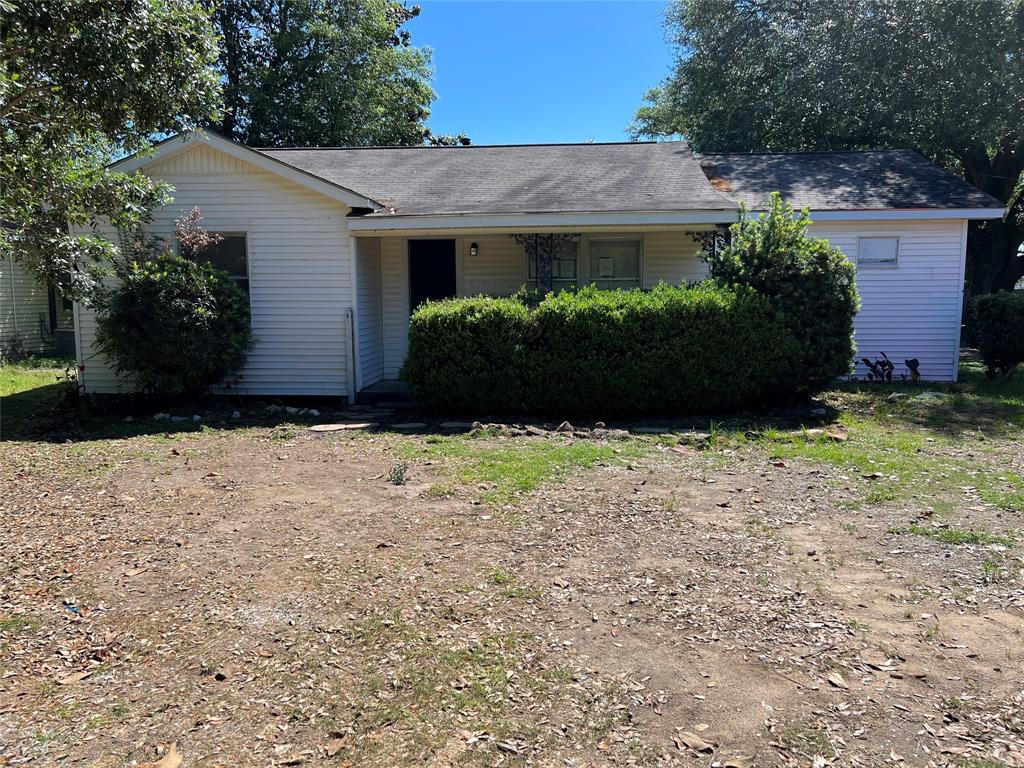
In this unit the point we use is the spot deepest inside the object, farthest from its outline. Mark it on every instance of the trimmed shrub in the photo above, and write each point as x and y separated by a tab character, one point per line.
174	327
467	354
999	331
598	352
810	282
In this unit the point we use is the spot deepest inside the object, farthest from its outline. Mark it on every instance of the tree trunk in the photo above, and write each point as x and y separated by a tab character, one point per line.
994	262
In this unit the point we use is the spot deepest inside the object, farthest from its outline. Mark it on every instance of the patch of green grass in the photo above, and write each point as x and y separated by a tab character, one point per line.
513	467
16	624
954	536
498	575
440	491
26	391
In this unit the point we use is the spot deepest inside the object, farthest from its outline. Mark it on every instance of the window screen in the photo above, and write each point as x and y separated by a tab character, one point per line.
229	255
615	263
878	252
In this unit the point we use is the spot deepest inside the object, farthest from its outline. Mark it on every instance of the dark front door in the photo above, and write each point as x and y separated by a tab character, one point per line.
431	271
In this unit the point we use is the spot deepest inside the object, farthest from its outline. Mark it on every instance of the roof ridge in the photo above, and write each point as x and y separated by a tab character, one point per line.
479	146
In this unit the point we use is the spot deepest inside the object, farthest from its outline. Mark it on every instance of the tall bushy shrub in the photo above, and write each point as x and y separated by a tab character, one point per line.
999	331
812	283
173	326
467	354
669	350
603	353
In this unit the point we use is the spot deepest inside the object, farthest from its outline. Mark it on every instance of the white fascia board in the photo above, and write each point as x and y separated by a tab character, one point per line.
551	221
908	214
538	221
185	141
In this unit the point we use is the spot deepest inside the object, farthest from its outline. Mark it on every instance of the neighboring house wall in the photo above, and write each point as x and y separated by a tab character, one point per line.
24	311
300	272
370	314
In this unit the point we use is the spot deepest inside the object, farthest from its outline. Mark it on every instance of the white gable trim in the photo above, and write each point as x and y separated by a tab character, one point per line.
186	141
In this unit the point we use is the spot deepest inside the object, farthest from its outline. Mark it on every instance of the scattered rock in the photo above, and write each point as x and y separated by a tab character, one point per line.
897	396
236	414
340	427
565	426
599	425
162	416
196	417
128	419
291	411
535	431
313	412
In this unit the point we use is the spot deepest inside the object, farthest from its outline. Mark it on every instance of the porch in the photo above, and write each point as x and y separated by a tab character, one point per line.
396	272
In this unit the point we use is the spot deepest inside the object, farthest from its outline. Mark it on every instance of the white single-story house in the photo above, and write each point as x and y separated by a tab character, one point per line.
337	246
33	319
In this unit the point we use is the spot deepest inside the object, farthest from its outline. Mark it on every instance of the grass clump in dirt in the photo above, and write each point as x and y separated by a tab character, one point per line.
513	467
953	536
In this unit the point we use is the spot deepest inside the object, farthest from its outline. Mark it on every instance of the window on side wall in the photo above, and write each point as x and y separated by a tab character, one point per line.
563	268
615	263
230	255
878	253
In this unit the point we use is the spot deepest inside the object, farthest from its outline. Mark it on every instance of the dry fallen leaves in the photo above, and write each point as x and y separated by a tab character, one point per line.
172	759
689	740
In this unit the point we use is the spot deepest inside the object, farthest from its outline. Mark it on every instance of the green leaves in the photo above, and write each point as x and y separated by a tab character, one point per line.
944	77
74	100
812	285
603	353
322	73
174	327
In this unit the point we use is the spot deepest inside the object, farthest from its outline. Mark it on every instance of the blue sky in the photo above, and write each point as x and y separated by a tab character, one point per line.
527	71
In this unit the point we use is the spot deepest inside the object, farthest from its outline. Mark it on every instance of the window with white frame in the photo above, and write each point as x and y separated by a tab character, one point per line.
615	262
563	268
878	252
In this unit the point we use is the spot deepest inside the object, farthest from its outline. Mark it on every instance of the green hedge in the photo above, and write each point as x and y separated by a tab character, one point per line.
467	354
999	331
600	353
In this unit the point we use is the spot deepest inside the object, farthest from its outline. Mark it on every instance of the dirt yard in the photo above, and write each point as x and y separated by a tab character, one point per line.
260	595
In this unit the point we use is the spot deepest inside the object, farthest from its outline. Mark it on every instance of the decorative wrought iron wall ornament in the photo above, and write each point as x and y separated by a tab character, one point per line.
711	241
542	250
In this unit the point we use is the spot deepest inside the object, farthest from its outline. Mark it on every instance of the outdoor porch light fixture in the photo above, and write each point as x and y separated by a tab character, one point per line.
473	249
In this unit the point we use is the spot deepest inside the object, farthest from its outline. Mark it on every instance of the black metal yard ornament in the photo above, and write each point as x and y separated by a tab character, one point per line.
541	251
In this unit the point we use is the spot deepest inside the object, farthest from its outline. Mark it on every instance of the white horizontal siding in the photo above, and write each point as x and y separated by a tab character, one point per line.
395	295
673	258
913	310
299	273
24	310
498	269
370	314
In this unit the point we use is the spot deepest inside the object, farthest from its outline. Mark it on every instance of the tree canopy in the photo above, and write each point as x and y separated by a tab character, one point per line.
321	73
80	82
945	77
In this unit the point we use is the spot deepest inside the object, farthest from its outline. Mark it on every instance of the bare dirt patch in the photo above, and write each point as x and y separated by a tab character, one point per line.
270	597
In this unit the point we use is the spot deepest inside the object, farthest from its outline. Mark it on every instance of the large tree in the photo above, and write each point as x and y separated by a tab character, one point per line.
82	81
945	77
321	73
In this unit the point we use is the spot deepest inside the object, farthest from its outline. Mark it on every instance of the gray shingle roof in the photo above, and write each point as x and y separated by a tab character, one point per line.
540	178
842	180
